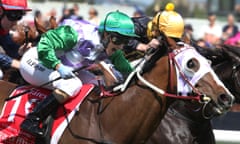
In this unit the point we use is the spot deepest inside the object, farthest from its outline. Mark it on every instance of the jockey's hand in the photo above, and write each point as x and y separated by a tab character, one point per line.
154	43
95	69
65	71
23	48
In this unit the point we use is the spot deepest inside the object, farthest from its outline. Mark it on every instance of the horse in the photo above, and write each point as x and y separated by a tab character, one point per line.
23	33
132	114
187	123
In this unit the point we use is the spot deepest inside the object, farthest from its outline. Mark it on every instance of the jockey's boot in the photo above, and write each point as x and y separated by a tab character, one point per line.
109	76
39	113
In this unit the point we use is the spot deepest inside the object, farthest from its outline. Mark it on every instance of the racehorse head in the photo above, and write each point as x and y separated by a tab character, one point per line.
195	76
190	119
229	69
24	33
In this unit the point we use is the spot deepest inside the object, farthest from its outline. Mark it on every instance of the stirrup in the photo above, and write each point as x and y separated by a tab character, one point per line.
31	125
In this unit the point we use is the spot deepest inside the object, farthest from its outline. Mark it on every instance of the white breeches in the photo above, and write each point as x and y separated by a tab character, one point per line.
37	74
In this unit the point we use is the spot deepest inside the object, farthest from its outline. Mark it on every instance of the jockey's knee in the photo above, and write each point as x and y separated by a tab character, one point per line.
69	87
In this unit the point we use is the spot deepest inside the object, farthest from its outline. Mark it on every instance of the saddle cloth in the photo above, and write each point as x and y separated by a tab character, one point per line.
15	111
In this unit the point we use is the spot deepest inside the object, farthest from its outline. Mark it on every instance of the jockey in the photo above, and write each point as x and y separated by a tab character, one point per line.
115	31
143	28
41	65
170	23
11	11
143	41
44	64
88	51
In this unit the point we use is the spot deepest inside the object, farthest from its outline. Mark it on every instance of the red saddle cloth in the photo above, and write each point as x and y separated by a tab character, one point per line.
15	111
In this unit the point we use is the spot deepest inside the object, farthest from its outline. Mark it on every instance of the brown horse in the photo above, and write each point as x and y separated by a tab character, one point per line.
133	115
26	33
187	123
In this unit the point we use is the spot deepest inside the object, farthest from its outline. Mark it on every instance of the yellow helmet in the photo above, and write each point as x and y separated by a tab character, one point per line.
169	21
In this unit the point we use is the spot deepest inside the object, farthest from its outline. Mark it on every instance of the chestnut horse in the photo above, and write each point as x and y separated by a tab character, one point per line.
188	123
23	33
131	116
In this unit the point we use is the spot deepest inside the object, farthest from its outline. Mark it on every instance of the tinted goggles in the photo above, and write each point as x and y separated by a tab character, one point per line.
14	15
118	40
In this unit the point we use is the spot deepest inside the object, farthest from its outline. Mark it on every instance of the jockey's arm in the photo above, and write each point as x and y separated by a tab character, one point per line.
7	62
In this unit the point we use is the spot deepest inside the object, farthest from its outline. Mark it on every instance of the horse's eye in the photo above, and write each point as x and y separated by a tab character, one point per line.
190	64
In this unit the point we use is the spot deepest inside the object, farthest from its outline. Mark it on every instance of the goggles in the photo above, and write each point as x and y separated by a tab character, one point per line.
118	40
14	15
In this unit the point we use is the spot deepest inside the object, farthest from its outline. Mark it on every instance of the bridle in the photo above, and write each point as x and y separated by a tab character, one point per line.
172	63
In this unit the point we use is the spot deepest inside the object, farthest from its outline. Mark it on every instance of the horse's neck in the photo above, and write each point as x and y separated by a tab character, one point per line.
190	110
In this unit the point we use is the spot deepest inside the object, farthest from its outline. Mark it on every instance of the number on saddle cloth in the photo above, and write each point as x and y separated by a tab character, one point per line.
15	111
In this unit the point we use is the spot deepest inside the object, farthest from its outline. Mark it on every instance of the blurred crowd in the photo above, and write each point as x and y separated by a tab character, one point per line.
212	34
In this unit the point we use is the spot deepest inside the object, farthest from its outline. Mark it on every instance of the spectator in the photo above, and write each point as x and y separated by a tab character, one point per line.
230	29
212	32
234	41
73	16
65	14
200	42
188	33
10	13
52	12
74	12
138	13
93	16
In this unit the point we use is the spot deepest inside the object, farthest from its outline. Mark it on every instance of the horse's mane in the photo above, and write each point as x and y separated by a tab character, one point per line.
216	55
232	51
158	53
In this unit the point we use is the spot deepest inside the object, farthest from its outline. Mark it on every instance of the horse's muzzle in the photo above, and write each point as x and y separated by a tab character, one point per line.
224	103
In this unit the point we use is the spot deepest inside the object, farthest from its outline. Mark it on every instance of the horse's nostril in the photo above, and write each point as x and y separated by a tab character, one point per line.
224	97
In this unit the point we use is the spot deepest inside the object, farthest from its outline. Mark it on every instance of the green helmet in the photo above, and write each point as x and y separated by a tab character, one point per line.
118	22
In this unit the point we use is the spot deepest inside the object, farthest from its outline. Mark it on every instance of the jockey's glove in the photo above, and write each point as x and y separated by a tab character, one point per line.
65	71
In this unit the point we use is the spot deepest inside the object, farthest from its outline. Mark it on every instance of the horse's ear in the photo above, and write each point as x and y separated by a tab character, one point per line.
53	22
39	27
